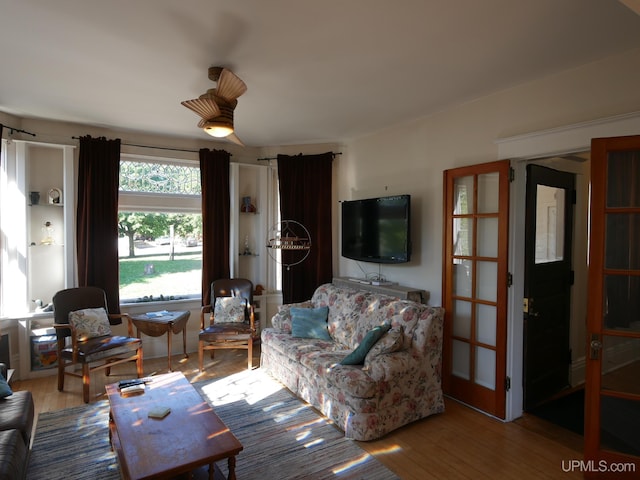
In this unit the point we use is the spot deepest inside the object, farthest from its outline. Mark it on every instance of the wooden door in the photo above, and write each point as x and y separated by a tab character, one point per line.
612	408
550	201
475	278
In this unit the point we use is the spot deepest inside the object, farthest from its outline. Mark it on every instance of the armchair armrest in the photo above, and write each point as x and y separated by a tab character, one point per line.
203	311
127	317
74	339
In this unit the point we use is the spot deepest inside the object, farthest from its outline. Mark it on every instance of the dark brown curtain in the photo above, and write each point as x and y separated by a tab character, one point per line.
216	212
305	197
97	217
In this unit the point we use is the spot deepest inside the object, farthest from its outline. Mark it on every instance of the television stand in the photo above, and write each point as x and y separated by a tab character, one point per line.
400	291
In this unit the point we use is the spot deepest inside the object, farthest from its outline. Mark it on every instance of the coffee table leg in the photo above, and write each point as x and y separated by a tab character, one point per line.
232	468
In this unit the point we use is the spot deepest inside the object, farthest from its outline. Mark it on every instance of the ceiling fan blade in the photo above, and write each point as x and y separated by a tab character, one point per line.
206	107
229	85
232	137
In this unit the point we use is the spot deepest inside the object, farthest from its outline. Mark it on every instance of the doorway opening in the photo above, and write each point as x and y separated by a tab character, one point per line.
554	296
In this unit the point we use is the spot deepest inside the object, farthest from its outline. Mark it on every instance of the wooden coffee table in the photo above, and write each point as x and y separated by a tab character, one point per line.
189	437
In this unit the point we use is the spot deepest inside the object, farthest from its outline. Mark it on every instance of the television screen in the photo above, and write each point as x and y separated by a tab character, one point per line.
377	230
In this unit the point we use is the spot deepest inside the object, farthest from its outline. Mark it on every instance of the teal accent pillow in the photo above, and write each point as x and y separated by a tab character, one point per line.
310	323
5	389
357	356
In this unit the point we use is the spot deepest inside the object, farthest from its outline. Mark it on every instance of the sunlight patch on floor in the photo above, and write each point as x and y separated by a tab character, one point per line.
351	464
248	386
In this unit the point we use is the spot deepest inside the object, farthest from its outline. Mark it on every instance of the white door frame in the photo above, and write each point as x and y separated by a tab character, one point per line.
519	149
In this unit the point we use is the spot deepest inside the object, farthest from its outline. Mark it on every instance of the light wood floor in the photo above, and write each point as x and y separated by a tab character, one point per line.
460	443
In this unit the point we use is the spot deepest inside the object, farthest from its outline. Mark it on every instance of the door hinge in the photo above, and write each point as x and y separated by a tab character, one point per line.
507	383
512	174
572	277
509	279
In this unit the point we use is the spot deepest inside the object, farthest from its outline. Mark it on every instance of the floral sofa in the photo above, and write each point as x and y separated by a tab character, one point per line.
399	380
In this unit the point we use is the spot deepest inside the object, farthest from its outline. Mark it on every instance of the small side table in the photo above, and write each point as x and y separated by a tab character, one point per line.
158	325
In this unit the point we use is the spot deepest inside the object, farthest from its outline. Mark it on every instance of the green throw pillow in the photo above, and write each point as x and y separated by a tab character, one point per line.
5	389
357	356
310	323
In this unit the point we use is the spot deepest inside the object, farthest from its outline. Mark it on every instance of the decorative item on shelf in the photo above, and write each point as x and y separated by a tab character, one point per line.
247	250
34	197
292	240
247	206
55	196
258	290
47	231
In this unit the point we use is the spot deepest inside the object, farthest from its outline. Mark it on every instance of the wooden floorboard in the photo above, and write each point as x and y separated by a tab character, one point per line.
460	443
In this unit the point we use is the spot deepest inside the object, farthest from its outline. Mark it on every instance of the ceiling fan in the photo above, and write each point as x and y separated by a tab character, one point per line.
216	106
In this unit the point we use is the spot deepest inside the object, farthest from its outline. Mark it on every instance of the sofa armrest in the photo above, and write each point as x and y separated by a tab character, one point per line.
281	321
390	365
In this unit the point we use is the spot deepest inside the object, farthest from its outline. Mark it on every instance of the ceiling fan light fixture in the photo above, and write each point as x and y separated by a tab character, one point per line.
218	128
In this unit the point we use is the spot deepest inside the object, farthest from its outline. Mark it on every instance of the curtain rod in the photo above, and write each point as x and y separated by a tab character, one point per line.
19	130
265	159
156	148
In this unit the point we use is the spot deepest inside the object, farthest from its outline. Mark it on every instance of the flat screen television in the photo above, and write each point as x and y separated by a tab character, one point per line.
377	230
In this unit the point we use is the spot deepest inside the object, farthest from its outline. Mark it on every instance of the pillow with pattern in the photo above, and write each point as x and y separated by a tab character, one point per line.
229	310
392	341
90	323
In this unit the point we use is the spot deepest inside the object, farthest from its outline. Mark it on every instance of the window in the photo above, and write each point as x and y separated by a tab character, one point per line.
160	229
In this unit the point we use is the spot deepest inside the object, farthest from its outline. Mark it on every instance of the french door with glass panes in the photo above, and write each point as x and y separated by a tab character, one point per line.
475	283
612	396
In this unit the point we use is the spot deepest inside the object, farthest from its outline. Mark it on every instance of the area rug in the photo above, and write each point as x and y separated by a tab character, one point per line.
282	437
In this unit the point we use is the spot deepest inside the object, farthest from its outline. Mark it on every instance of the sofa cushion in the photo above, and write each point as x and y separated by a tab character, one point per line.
310	323
293	348
339	379
17	412
90	323
358	355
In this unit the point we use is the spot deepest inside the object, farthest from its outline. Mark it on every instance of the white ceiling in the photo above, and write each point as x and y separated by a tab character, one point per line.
316	71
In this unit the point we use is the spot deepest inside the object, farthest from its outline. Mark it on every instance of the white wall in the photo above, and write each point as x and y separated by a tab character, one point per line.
411	158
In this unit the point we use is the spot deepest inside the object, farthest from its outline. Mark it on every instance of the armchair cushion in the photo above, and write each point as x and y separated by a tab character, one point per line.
310	323
90	323
229	310
358	355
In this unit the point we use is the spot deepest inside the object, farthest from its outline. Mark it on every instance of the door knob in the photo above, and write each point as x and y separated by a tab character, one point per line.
596	346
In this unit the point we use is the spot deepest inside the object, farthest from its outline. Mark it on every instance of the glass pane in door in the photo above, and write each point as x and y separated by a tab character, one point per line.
621	237
485	368
462	319
488	237
620	417
550	203
462	237
621	302
488	192
463	196
623	169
